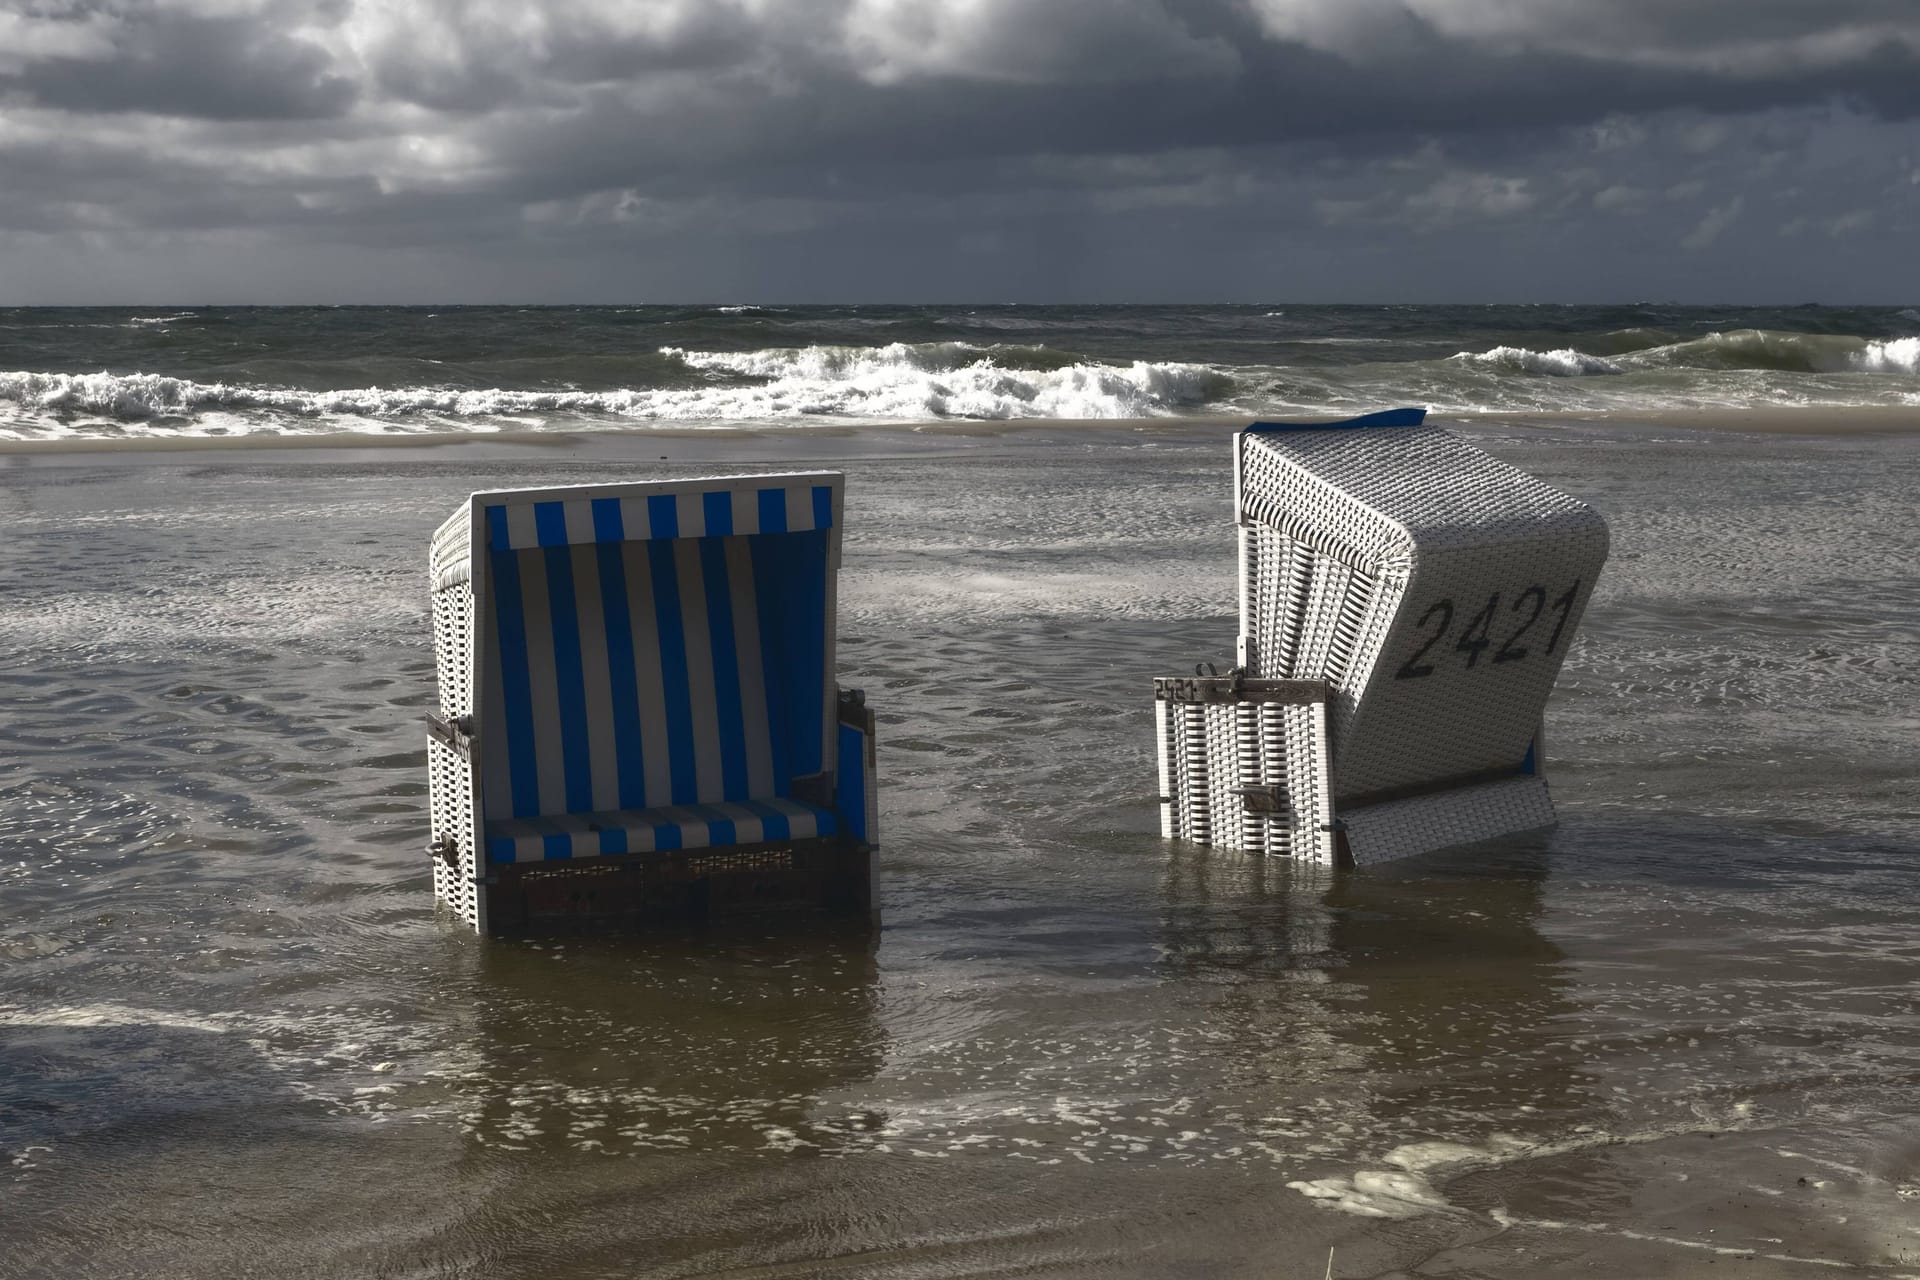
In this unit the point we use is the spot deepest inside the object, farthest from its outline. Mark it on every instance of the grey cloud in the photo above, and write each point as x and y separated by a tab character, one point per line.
223	67
852	134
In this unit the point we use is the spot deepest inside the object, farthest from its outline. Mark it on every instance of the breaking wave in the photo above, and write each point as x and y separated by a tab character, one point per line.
1736	349
900	382
1564	363
1621	370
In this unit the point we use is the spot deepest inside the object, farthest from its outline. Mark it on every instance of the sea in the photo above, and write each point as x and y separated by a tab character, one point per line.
1676	1035
212	371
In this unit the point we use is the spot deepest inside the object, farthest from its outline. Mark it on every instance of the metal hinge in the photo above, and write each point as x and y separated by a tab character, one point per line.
1268	797
456	735
446	849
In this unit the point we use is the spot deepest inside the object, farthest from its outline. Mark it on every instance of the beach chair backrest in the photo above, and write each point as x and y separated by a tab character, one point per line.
655	644
1433	587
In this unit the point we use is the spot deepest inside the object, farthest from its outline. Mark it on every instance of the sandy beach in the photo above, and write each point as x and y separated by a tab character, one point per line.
1675	1036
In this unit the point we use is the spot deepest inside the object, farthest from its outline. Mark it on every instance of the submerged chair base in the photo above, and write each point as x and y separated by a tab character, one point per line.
1244	764
695	886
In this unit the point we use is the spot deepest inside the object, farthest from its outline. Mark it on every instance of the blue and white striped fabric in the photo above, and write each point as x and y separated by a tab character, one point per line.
703	826
708	513
652	653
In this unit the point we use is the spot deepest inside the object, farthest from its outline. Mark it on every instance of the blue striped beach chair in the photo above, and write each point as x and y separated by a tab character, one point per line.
1406	603
638	718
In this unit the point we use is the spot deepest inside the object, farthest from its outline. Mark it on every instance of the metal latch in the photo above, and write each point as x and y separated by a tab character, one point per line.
446	849
455	735
1268	797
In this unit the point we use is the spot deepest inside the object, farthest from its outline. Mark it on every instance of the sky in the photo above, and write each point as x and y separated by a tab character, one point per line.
234	151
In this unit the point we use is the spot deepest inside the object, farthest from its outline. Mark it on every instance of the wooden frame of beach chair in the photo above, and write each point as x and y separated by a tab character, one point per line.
1406	603
638	720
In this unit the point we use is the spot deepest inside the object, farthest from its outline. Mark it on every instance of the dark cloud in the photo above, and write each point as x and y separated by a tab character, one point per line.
910	147
181	64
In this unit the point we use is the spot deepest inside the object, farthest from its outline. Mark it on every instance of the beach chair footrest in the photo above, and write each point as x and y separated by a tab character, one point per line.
692	886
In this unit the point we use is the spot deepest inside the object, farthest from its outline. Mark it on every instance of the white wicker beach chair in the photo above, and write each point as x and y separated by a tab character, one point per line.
638	715
1406	603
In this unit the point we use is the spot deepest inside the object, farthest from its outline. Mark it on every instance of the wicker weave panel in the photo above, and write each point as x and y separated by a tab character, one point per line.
450	777
1402	828
448	561
1423	580
1209	751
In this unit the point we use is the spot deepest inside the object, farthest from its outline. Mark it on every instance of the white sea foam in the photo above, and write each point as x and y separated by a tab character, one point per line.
951	380
1564	362
1899	355
894	383
184	315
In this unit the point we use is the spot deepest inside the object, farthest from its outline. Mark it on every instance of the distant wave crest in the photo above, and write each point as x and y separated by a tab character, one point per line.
1563	363
899	382
1735	349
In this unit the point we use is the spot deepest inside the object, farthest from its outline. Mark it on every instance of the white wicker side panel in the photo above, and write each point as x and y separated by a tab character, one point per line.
1223	737
1294	742
1402	828
1184	813
1170	823
450	776
1211	751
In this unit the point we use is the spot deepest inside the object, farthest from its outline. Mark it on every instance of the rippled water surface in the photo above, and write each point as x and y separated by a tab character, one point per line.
1676	1034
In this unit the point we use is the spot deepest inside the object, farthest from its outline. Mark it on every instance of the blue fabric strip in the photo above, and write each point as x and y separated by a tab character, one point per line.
663	516
550	523
500	849
774	824
805	642
553	848
822	506
717	507
569	677
516	690
773	510
497	536
726	669
666	837
613	840
623	686
1385	418
851	788
772	617
720	828
673	668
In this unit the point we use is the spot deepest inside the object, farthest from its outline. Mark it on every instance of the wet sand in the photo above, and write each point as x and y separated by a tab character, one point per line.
1674	1036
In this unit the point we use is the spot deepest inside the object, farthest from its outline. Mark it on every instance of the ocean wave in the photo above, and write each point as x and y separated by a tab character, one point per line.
899	383
1900	355
1763	350
1563	363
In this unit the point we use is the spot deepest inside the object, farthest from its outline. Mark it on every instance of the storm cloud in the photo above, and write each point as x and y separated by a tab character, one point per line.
646	150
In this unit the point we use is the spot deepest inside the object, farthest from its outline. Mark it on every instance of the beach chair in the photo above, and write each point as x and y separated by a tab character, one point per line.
1406	602
638	718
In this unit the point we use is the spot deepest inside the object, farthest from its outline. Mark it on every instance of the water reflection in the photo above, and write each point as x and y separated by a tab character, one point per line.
1414	1003
623	1046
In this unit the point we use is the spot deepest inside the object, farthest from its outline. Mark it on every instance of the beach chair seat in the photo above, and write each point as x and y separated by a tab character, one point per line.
629	673
692	826
1430	592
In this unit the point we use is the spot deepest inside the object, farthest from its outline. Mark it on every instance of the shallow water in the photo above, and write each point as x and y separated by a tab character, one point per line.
1677	1030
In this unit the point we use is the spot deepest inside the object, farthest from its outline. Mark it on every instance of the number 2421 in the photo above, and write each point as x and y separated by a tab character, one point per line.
1478	635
